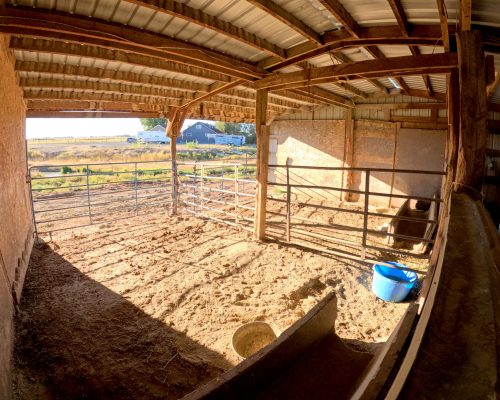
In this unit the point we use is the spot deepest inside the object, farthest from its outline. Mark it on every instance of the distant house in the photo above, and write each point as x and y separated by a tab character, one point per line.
203	133
199	133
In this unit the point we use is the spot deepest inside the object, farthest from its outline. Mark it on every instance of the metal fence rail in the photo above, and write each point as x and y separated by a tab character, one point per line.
350	240
220	192
75	195
71	196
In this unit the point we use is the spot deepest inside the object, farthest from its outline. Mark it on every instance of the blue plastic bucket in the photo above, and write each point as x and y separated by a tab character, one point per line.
392	284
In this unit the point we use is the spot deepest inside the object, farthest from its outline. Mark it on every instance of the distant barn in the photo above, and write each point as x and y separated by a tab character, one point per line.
203	133
199	133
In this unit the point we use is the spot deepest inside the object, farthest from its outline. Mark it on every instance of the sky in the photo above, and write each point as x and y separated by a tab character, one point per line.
82	127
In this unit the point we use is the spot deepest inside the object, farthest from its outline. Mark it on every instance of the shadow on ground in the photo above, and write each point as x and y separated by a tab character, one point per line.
76	339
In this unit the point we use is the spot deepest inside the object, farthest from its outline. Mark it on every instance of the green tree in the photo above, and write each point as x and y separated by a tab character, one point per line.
150	123
221	126
248	130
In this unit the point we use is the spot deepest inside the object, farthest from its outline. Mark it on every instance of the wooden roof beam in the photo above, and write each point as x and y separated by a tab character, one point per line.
82	30
287	18
346	60
326	96
236	97
396	66
200	18
109	74
137	102
145	82
91	114
420	35
342	15
71	49
399	13
443	19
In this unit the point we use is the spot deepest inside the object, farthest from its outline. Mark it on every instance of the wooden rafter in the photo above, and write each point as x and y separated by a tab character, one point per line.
346	41
109	74
144	83
346	60
94	32
399	13
198	17
90	114
140	102
443	20
214	89
71	49
325	95
287	18
396	66
342	15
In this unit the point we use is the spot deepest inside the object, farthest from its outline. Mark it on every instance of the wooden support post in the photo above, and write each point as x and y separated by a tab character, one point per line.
473	113
453	131
262	163
288	202
348	153
175	120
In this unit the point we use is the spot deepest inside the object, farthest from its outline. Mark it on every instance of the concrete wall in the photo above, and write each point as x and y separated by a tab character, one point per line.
15	215
374	144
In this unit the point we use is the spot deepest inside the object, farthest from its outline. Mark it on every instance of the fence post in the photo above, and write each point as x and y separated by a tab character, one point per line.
88	195
174	186
194	188
236	197
32	203
365	213
135	188
202	173
288	204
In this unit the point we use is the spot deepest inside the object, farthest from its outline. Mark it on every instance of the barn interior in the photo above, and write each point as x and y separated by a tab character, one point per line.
374	113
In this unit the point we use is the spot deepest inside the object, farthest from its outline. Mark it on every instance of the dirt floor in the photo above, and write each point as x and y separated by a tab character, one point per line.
146	308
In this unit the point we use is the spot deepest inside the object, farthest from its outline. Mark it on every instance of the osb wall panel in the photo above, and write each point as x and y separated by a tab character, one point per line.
307	143
15	215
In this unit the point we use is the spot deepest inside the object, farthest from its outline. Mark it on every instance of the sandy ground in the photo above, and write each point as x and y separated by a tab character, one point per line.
146	307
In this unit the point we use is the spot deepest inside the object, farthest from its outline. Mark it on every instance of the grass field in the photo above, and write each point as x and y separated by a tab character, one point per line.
57	165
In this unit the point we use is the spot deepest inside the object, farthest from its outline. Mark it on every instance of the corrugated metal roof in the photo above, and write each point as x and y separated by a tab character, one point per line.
252	19
22	55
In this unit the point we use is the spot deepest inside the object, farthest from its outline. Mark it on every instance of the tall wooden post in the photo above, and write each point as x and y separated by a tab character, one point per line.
348	153
262	132
175	120
473	113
